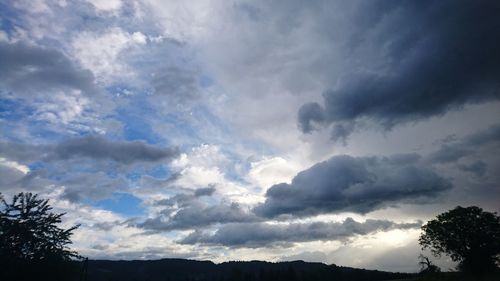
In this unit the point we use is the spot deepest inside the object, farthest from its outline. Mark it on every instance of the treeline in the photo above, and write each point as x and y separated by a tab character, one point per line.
190	270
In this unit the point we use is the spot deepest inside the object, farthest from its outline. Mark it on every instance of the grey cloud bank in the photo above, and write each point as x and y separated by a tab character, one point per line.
125	152
356	184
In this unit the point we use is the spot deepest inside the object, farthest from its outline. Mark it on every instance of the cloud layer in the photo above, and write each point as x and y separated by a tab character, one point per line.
266	234
89	147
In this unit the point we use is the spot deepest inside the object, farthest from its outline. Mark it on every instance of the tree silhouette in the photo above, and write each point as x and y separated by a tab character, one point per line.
469	236
426	266
31	242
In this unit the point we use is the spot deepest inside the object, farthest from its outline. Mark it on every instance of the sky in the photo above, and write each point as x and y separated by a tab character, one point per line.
324	131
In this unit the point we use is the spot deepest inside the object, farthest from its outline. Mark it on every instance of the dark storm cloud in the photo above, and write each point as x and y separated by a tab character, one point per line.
357	184
454	150
195	214
255	235
437	56
92	147
28	69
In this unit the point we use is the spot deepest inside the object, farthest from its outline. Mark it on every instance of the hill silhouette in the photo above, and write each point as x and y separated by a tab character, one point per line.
187	270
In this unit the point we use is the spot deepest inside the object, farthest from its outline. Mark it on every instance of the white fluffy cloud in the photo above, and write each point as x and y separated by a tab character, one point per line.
186	20
269	171
101	52
207	165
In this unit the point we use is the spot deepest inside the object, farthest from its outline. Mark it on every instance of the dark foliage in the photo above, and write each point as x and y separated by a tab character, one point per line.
469	236
32	245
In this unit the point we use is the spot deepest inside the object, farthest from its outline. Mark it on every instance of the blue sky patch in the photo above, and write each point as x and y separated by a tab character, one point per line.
122	203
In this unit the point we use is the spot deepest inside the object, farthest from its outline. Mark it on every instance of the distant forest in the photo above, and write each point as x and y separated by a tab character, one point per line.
191	270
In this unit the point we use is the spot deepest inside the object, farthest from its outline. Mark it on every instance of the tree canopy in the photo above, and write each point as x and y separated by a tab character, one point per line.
30	238
470	236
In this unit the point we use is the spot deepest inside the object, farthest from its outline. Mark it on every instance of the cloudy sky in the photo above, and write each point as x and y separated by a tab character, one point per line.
237	130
